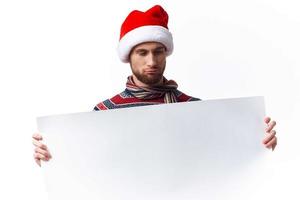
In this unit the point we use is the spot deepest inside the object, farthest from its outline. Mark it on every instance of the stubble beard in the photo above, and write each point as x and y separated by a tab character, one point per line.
148	79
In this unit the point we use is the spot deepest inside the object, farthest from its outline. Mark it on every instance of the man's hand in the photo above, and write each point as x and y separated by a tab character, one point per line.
41	151
270	140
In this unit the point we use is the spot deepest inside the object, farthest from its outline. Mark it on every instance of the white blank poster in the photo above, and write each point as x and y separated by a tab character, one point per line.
196	150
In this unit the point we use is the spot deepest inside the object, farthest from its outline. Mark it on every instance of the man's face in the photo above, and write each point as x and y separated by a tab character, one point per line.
148	61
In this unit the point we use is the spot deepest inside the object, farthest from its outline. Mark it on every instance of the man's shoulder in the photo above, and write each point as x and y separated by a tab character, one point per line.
182	97
122	100
111	103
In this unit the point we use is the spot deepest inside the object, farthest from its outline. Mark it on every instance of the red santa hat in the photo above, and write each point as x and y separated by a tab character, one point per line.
140	27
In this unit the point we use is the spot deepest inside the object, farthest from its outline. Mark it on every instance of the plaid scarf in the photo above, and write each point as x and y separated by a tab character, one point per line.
167	90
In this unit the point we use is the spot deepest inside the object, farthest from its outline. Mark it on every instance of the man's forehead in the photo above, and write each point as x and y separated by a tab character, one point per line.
149	46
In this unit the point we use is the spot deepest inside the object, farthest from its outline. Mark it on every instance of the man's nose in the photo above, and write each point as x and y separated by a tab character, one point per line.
151	60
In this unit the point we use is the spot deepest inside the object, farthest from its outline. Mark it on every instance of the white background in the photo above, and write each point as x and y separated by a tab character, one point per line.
60	57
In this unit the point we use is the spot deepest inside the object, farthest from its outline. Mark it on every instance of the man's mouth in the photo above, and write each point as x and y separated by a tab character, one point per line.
151	71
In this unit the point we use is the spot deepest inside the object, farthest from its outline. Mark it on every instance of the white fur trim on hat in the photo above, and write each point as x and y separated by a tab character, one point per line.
144	34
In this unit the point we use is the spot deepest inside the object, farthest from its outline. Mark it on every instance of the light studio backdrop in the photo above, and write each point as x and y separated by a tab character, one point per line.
60	57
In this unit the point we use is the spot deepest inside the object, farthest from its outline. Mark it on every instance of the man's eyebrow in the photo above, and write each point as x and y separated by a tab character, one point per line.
145	50
140	50
160	48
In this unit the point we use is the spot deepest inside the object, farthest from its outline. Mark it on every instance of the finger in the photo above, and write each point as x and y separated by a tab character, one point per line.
39	144
271	143
267	119
37	136
274	145
271	126
269	137
38	161
46	153
40	157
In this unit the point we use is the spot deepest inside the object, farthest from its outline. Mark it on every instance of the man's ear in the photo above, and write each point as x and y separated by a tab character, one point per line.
129	59
129	56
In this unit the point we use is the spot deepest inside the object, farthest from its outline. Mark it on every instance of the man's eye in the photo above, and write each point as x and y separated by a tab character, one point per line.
142	53
159	52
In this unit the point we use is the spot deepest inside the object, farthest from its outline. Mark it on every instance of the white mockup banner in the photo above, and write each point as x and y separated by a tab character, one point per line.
208	150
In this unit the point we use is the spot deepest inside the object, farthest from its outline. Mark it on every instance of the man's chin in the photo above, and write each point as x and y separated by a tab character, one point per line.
151	80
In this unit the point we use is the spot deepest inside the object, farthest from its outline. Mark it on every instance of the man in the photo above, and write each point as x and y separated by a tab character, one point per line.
145	42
